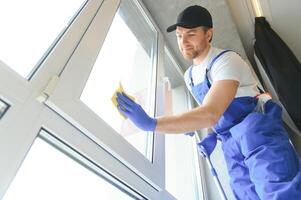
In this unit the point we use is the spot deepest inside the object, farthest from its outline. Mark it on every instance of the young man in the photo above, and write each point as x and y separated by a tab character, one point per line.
262	164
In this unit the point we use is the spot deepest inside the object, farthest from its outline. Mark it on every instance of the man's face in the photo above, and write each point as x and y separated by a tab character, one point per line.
192	42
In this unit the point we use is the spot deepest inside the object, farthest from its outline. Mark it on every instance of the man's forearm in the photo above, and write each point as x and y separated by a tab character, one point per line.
201	117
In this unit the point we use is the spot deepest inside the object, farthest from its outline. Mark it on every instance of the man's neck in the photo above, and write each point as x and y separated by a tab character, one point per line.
198	60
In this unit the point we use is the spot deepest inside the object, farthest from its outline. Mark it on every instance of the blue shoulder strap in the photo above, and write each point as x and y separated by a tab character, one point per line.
207	69
212	62
191	84
215	58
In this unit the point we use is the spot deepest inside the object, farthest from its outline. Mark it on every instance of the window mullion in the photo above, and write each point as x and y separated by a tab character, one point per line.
18	129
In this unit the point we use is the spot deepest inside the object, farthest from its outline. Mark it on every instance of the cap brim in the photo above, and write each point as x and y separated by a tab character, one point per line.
184	25
171	28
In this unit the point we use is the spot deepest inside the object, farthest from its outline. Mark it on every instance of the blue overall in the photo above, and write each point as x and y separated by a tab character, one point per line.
261	162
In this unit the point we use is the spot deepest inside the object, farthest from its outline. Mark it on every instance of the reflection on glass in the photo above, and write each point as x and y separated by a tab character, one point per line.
48	174
126	57
29	27
3	108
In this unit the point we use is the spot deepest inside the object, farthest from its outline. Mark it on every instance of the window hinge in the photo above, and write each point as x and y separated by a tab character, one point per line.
49	89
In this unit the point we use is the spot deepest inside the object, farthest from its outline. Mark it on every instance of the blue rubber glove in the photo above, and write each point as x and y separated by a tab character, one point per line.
207	145
135	113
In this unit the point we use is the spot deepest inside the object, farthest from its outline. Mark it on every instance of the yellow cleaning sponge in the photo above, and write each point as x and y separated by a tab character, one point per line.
114	98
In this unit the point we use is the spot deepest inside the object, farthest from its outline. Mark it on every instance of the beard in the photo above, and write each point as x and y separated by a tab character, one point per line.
190	54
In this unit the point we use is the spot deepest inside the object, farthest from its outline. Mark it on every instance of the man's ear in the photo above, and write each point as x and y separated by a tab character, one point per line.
209	34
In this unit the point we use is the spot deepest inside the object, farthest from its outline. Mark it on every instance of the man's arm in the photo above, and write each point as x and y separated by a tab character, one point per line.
206	115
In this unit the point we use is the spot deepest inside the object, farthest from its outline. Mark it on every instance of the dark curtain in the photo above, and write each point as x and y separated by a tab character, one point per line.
282	67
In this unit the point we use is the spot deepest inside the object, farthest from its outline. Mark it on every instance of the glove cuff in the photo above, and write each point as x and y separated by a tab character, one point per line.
153	124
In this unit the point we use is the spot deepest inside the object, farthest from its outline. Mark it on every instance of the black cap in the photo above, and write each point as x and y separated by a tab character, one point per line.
192	17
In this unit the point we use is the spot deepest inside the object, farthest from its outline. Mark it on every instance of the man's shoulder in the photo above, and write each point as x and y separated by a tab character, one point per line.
228	55
214	52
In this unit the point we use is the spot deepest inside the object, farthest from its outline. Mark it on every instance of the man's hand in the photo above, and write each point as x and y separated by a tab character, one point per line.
207	145
135	113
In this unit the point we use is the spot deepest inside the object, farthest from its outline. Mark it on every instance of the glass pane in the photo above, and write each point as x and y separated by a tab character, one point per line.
29	27
3	108
48	174
179	148
126	57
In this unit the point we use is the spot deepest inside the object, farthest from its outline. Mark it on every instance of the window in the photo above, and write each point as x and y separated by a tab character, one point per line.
53	99
29	27
47	173
180	150
82	95
127	58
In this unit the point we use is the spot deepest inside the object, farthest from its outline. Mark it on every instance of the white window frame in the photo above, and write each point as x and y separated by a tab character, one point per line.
33	107
65	100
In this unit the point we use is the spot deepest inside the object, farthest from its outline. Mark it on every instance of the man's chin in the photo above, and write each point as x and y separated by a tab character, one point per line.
188	57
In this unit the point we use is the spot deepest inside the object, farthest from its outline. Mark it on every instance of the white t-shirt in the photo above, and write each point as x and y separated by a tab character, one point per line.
229	66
